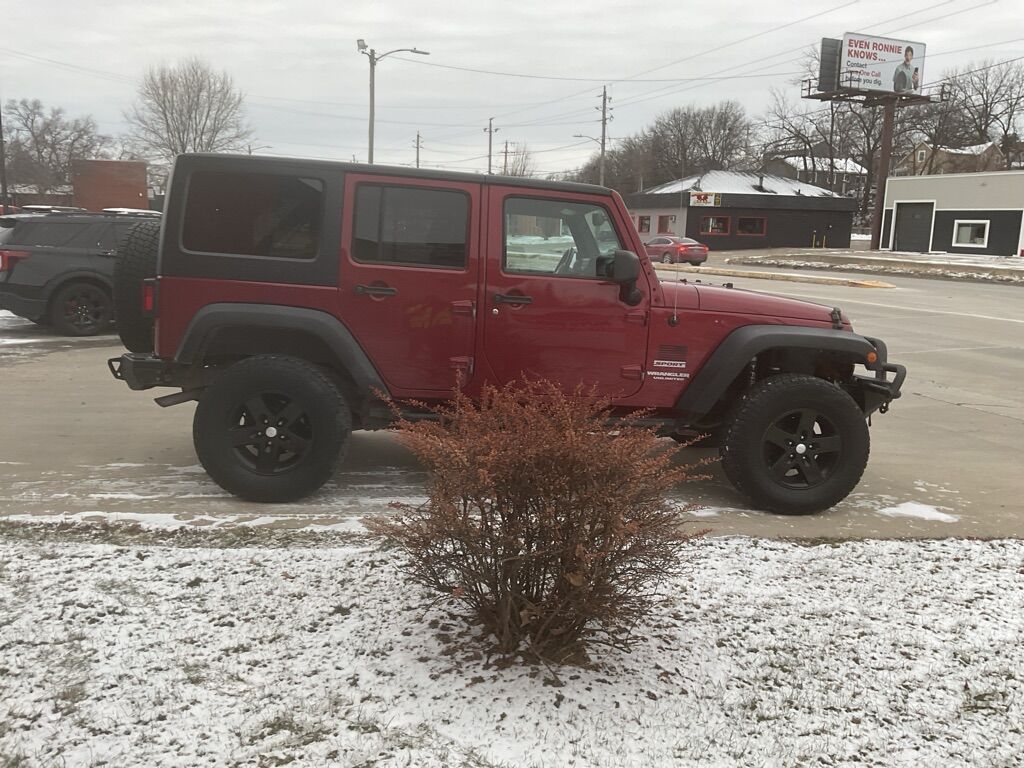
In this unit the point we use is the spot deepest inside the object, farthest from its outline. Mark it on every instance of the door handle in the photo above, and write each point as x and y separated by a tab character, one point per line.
509	298
375	290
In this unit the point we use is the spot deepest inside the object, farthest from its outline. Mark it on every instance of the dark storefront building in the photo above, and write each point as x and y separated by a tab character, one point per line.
981	214
727	210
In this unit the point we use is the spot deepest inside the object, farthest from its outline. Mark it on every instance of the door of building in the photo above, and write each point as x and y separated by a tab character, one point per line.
913	227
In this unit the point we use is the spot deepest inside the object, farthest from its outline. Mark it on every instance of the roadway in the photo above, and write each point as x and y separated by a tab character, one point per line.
946	460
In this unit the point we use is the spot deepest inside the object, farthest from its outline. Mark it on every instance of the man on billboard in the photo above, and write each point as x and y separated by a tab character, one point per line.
907	77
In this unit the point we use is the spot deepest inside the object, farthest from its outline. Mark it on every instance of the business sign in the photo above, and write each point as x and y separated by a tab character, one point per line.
710	199
881	64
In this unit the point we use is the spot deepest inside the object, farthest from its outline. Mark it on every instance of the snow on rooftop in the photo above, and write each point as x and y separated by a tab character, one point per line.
841	164
737	183
977	149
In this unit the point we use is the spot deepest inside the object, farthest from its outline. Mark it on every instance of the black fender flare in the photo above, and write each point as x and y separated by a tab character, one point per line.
323	326
743	344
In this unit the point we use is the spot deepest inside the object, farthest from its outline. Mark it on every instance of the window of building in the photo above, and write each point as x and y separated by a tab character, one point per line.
971	234
410	226
557	237
665	224
751	225
643	224
920	155
253	214
714	225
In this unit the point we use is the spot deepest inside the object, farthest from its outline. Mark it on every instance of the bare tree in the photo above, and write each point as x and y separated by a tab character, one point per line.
41	143
188	108
519	161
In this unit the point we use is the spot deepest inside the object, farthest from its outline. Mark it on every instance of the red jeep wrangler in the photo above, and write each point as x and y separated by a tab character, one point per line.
287	296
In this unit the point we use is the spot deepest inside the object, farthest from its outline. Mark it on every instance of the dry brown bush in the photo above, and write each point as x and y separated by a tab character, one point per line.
551	526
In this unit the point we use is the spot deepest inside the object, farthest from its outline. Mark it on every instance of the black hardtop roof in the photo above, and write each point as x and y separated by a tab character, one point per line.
415	173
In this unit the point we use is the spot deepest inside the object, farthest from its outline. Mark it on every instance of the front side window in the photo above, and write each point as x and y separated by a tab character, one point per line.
555	237
411	226
253	214
970	233
750	225
714	225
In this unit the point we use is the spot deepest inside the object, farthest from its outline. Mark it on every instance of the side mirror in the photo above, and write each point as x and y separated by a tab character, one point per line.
624	272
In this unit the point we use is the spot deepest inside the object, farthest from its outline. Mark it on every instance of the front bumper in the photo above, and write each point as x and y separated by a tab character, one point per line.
878	391
140	371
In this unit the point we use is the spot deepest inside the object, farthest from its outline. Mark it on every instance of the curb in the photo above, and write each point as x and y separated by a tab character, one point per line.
929	270
782	276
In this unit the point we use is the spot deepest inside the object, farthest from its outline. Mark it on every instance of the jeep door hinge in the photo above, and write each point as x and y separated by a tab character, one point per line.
632	372
464	308
462	364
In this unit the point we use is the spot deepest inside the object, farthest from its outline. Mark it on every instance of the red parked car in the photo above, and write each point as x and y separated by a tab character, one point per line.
672	250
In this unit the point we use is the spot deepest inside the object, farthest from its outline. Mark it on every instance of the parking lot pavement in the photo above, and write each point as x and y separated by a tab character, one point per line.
945	460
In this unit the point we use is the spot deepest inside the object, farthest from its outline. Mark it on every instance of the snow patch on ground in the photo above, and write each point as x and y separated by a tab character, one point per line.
761	654
920	511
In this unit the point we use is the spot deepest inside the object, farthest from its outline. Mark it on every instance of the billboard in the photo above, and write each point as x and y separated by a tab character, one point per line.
881	64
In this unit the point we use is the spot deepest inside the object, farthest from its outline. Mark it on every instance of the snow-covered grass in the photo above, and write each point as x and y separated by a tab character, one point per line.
127	648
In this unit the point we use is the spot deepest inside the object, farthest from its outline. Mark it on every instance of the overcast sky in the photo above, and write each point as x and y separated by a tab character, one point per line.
307	87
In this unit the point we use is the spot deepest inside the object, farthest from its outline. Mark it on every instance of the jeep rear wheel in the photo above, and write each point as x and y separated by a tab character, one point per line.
795	444
136	261
271	429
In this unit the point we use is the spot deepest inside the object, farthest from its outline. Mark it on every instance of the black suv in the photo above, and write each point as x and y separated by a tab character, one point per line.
56	268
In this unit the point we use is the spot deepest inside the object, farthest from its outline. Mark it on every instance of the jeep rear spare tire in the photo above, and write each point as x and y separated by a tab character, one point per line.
795	444
136	261
271	428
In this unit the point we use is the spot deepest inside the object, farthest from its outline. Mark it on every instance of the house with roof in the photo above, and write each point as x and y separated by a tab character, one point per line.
730	210
926	160
839	174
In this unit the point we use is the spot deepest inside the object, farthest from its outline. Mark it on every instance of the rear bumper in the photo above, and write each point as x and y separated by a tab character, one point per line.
140	371
22	306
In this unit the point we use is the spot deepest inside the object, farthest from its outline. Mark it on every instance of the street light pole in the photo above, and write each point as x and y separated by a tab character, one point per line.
372	55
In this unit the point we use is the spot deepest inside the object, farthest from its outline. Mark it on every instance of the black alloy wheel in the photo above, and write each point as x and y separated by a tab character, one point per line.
80	309
802	449
271	434
795	444
271	428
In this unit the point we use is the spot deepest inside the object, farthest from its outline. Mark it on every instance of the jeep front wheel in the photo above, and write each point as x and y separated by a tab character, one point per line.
271	429
795	444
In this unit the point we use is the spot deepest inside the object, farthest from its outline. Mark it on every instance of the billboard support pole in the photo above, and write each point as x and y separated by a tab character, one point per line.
884	157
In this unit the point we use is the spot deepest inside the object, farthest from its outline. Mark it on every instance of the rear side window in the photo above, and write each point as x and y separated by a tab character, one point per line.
410	226
56	234
253	214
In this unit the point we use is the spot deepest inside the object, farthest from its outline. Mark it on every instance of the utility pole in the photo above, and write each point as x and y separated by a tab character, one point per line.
505	169
604	129
418	144
490	130
4	200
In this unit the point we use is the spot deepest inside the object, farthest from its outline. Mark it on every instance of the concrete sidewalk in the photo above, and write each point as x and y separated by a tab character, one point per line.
933	265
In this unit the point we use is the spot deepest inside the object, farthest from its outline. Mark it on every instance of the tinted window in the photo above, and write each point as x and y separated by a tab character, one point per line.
57	234
410	226
555	237
253	214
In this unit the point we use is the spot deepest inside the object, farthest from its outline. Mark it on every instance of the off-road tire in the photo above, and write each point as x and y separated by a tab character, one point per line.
821	470
277	402
79	309
136	261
